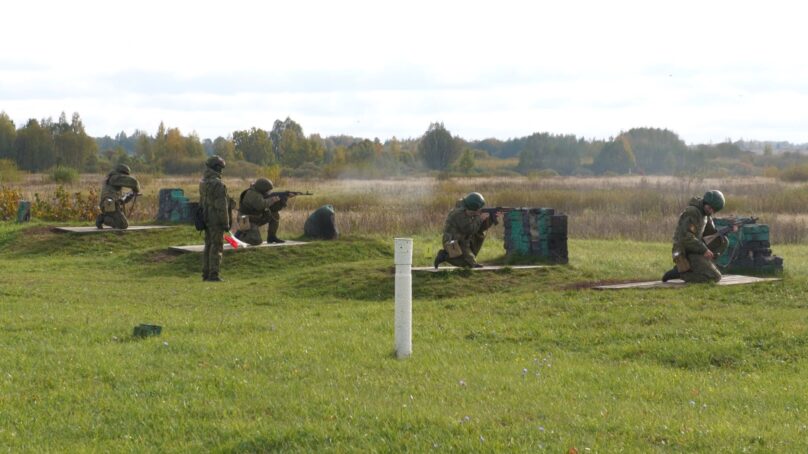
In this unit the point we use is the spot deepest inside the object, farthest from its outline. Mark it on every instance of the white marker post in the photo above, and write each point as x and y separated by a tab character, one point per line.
403	321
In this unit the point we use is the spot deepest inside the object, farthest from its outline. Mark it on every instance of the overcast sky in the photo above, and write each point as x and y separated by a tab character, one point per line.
707	70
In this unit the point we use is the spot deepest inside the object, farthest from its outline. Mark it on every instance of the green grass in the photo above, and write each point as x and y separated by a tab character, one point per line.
294	351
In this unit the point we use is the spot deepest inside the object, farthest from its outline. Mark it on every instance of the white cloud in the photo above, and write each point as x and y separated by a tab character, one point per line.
706	70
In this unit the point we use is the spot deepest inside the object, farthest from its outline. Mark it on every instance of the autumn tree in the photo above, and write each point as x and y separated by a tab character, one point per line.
33	147
616	156
254	145
285	134
226	149
8	133
437	148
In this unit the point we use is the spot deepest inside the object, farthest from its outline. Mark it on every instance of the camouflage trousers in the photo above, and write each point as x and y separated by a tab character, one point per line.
115	219
253	235
212	255
701	270
470	251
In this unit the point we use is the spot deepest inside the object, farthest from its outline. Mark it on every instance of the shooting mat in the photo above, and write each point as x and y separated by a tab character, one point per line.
430	269
727	279
227	247
108	229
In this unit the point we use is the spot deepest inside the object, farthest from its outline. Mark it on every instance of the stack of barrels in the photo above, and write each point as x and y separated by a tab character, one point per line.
538	232
749	250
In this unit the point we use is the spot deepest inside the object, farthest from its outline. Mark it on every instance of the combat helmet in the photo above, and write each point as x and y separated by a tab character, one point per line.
473	201
216	163
263	185
715	199
123	168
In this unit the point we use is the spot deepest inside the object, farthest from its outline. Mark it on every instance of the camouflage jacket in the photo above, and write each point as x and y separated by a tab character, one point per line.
115	182
693	224
253	203
461	227
214	200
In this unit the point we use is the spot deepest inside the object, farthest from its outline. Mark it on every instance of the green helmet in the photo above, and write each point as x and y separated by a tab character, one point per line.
123	168
473	201
216	163
263	185
715	199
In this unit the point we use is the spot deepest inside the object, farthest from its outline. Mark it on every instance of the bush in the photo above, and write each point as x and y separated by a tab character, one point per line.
64	206
273	173
306	170
795	173
543	173
64	175
9	173
184	166
243	169
9	201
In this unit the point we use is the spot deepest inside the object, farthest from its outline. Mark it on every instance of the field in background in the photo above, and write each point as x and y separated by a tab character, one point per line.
639	208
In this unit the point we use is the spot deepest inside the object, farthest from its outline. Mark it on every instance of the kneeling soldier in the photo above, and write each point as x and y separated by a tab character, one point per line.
112	200
693	258
464	232
256	207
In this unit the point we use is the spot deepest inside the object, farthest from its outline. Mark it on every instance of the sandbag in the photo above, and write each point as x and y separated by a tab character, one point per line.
321	224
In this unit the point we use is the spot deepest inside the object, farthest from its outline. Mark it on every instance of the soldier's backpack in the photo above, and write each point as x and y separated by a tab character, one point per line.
321	224
199	218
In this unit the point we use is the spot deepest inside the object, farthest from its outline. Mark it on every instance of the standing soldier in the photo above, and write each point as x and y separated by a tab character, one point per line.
112	199
215	206
256	205
693	258
464	232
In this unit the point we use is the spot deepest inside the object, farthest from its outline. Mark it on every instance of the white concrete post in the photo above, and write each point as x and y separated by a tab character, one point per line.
403	320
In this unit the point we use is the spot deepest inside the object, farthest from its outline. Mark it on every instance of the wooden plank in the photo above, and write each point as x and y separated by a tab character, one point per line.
431	269
227	247
727	279
132	228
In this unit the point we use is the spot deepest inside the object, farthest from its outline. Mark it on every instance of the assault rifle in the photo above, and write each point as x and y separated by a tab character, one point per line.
129	196
494	212
285	195
126	198
723	231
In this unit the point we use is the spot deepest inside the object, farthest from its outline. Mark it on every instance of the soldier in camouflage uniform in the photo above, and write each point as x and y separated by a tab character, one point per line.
464	232
215	205
693	258
112	200
259	208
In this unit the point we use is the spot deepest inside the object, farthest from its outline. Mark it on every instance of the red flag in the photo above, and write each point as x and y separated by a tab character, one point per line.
233	242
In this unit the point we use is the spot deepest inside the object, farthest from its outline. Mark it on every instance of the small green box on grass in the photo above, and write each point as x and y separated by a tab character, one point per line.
143	330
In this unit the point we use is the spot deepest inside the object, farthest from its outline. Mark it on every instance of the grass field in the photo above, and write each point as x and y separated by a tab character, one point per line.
294	351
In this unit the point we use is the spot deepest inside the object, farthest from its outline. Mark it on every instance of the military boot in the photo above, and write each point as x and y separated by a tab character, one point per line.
99	221
274	239
440	258
214	278
672	273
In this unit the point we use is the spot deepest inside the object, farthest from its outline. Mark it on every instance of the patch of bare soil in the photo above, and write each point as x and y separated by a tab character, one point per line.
162	256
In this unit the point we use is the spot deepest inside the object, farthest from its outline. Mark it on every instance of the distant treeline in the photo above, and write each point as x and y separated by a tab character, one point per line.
42	145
